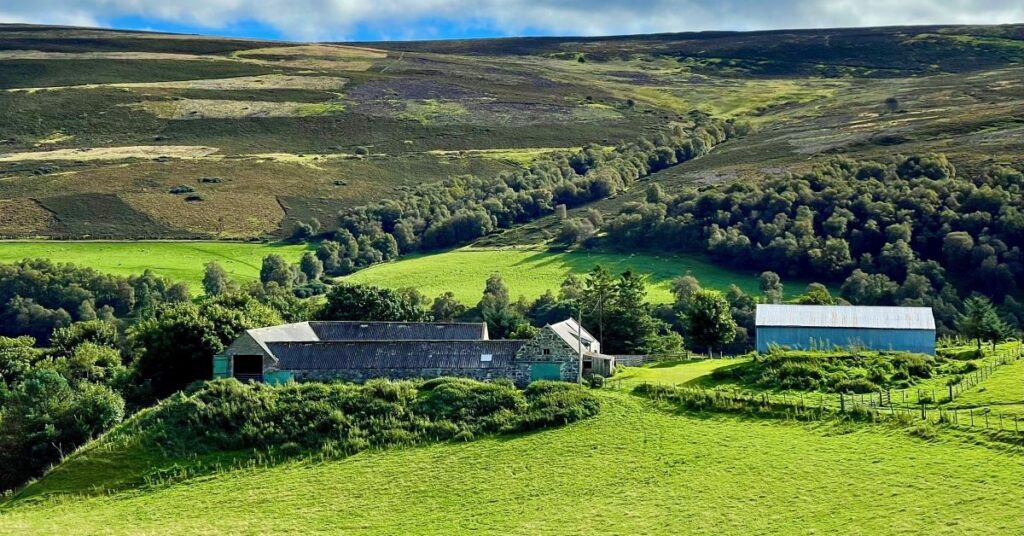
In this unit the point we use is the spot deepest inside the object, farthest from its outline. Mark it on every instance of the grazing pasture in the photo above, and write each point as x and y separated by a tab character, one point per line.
179	260
530	272
654	472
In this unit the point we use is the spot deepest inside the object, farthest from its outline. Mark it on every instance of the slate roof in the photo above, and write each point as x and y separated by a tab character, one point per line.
394	331
326	355
844	316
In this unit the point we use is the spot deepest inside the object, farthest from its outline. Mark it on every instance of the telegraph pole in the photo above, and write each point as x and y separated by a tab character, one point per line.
579	342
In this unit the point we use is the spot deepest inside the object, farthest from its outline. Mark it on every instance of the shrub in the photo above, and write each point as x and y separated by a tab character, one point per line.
346	418
960	354
45	418
555	403
856	385
830	371
182	189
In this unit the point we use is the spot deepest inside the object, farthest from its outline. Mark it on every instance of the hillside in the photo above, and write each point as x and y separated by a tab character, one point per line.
631	469
99	127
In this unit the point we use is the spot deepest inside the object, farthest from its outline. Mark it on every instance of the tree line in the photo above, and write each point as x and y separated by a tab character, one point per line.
907	232
461	209
59	390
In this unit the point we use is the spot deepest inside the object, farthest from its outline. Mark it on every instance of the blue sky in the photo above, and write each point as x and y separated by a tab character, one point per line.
371	20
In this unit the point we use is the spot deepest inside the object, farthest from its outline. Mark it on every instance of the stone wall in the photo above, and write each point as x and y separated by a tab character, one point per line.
547	347
246	345
361	375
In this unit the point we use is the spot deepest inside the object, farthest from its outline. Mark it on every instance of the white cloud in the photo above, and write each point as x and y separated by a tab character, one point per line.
336	19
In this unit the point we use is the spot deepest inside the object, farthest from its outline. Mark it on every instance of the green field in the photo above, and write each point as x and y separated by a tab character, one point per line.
1003	392
181	261
530	272
673	372
631	470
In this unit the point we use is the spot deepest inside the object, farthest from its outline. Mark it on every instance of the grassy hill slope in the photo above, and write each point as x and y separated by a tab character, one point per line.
633	469
107	123
531	272
179	260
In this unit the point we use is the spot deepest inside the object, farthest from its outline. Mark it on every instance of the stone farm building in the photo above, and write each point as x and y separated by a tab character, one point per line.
907	329
358	351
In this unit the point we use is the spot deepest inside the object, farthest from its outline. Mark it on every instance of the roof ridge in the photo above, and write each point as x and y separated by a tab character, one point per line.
392	322
379	341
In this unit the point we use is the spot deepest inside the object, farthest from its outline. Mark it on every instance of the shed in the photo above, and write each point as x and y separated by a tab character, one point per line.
906	329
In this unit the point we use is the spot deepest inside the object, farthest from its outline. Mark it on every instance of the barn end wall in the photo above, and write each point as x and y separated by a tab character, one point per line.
806	338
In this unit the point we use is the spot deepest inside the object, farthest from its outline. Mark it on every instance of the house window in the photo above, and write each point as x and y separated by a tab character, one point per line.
485	358
547	351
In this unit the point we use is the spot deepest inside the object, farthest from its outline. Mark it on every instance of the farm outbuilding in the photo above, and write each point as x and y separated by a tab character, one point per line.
805	327
358	351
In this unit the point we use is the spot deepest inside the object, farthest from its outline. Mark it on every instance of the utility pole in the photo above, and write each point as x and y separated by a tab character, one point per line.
579	343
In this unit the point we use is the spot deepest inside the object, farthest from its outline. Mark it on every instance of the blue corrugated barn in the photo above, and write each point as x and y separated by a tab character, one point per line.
805	327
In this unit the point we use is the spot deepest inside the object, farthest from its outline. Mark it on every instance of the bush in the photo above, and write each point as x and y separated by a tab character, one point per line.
182	189
836	372
44	418
960	354
346	418
856	385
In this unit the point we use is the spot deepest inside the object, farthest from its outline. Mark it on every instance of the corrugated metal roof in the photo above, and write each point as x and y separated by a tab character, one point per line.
570	331
397	331
299	331
845	316
393	354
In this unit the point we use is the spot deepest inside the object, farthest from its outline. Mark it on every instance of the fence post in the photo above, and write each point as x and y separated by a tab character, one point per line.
950	392
924	412
972	417
842	403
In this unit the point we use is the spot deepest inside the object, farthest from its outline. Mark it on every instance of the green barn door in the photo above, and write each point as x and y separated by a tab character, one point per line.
545	371
221	366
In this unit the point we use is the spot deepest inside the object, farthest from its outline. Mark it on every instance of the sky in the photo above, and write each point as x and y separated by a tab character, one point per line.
376	20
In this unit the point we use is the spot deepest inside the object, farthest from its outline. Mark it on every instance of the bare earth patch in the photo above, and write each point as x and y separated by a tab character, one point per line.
268	81
233	109
322	57
54	138
23	217
316	50
43	55
228	215
112	153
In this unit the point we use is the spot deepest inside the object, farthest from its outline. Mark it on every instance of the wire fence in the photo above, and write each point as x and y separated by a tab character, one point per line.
926	405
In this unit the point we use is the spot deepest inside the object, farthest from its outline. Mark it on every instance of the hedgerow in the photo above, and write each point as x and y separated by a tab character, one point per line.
226	415
837	372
